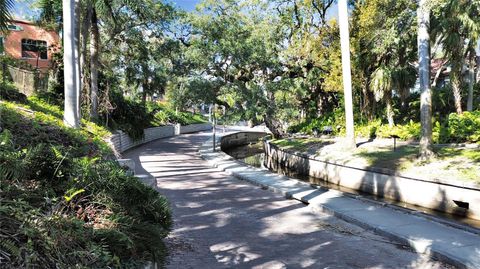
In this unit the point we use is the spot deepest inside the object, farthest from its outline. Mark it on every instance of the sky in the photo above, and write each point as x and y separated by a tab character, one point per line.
23	9
188	5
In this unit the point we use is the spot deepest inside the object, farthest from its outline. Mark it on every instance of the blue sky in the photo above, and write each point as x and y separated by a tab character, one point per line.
23	9
186	4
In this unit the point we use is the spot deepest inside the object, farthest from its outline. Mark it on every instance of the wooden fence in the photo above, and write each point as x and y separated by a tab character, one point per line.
27	82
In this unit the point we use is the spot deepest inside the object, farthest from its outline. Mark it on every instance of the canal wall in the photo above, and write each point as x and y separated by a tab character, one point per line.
462	199
240	139
120	141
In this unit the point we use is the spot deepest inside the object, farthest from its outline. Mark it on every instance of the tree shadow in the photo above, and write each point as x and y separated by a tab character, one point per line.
227	223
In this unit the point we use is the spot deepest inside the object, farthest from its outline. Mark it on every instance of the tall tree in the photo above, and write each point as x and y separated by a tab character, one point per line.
346	70
423	19
459	21
70	58
94	64
471	77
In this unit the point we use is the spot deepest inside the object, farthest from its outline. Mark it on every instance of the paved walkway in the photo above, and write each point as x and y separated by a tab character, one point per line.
222	222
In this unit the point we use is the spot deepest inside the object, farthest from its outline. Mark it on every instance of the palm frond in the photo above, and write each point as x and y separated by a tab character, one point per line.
6	6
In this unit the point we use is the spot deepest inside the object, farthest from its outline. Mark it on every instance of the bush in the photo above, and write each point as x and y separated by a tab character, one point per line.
63	204
336	120
129	116
460	128
10	93
164	115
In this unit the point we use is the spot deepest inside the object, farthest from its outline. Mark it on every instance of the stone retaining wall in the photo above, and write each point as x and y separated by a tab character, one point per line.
121	142
441	196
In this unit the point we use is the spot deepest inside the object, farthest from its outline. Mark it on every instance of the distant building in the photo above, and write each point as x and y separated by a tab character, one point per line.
31	43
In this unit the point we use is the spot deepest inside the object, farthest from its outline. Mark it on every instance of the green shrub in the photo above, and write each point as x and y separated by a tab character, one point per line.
335	120
128	116
463	128
10	93
63	204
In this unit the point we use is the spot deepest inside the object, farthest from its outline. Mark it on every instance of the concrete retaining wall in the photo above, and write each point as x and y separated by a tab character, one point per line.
440	196
193	128
121	142
239	139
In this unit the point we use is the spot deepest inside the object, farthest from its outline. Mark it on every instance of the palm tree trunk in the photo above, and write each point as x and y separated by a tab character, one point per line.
94	45
346	71
390	114
455	78
477	79
78	72
471	79
83	56
423	19
404	94
70	117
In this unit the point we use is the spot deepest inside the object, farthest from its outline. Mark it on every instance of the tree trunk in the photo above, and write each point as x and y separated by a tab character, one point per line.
346	71
423	19
78	72
144	93
471	79
456	80
83	55
71	116
477	79
274	126
404	94
94	45
390	114
270	121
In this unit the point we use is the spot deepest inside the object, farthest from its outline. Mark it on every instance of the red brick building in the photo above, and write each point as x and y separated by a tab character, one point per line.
29	42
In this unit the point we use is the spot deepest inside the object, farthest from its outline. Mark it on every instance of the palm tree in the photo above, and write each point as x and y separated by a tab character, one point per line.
70	56
346	70
423	19
459	19
381	84
5	16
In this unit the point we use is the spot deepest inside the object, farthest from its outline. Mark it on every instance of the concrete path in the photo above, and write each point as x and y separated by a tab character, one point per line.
222	222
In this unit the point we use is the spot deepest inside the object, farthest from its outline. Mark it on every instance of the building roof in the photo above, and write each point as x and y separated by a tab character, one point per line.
23	21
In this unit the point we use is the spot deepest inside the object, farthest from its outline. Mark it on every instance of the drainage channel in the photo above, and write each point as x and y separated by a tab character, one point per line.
253	155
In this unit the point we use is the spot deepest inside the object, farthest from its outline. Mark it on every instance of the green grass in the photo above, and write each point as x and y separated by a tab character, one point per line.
471	154
297	144
450	163
400	159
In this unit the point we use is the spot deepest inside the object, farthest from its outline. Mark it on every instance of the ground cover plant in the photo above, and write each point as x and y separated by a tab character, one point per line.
63	199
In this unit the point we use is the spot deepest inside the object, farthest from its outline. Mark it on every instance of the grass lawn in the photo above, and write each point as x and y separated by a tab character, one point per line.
449	164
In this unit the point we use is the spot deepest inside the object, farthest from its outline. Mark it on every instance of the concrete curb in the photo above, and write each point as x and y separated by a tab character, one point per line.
303	192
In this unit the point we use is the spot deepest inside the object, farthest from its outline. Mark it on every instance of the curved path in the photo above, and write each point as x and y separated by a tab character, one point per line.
222	222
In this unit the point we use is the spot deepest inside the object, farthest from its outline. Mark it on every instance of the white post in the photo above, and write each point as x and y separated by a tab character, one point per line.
346	70
71	117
